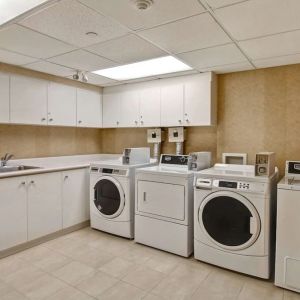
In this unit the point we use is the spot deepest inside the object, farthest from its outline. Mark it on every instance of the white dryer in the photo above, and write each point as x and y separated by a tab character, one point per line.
164	205
287	267
233	216
112	196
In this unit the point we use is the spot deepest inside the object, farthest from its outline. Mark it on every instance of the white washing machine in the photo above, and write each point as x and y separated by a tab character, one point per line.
164	205
112	196
234	213
287	266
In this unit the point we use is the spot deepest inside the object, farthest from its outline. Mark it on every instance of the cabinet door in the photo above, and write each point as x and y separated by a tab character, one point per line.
150	107
75	194
44	204
172	104
197	101
28	100
129	108
61	104
13	212
111	108
4	98
89	108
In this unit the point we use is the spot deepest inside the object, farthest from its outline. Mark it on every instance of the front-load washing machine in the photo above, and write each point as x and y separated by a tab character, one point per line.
112	196
234	214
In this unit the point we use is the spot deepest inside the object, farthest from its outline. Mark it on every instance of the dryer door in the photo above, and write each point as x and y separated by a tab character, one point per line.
229	220
109	197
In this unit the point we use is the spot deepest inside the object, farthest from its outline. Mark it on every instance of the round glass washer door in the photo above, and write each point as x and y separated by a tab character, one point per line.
109	197
229	220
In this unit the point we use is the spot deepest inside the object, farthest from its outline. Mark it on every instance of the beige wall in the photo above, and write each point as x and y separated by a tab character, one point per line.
257	111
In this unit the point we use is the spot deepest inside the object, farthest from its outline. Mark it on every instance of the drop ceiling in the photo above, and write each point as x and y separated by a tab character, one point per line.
209	35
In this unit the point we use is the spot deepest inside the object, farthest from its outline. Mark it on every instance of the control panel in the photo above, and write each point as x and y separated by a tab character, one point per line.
208	183
121	172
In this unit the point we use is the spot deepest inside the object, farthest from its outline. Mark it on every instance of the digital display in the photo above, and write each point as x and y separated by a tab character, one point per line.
228	184
107	171
294	167
175	134
153	135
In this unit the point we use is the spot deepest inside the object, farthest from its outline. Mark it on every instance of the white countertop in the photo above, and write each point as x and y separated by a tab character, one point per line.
58	163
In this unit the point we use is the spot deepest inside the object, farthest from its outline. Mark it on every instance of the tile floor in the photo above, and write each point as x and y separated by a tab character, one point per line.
88	264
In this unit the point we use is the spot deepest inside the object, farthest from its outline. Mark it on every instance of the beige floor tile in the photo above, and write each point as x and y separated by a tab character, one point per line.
152	297
63	245
138	255
144	278
10	265
182	282
21	278
52	262
223	282
73	272
69	293
14	295
118	267
260	290
163	262
5	289
122	291
97	284
41	287
90	256
34	254
289	295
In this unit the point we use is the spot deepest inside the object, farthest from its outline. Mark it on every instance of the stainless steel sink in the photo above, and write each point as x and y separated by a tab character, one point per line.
16	168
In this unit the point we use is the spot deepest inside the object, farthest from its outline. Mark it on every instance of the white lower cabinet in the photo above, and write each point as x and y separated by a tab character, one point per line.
13	212
75	197
44	204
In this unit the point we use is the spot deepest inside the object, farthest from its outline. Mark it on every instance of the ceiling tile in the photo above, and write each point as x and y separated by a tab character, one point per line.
271	46
47	67
9	57
277	61
186	35
161	12
175	74
242	66
220	3
82	60
25	41
257	18
99	80
69	21
127	49
216	56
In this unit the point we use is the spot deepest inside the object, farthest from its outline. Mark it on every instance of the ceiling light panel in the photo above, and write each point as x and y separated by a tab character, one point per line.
152	67
10	9
70	21
126	12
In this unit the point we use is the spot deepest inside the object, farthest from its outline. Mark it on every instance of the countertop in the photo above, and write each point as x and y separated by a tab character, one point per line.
56	164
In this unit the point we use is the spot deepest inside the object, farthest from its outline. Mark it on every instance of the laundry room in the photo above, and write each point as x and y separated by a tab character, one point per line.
149	149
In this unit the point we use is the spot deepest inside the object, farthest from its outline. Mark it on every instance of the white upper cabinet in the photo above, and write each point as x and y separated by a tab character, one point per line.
130	107
4	98
150	106
28	100
61	105
89	108
111	107
172	97
199	100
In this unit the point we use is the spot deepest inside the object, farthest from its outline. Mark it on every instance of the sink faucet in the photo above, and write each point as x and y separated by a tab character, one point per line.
5	159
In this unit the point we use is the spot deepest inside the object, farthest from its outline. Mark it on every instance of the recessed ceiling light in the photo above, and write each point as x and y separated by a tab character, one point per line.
146	68
92	34
10	9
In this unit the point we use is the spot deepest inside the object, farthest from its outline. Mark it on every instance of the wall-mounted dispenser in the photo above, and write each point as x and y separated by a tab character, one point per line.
156	137
177	135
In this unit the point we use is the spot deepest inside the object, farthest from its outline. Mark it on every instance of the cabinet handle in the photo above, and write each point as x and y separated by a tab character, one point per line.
144	196
185	114
142	122
135	122
117	122
179	121
43	119
187	120
23	183
50	120
66	177
79	121
32	182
